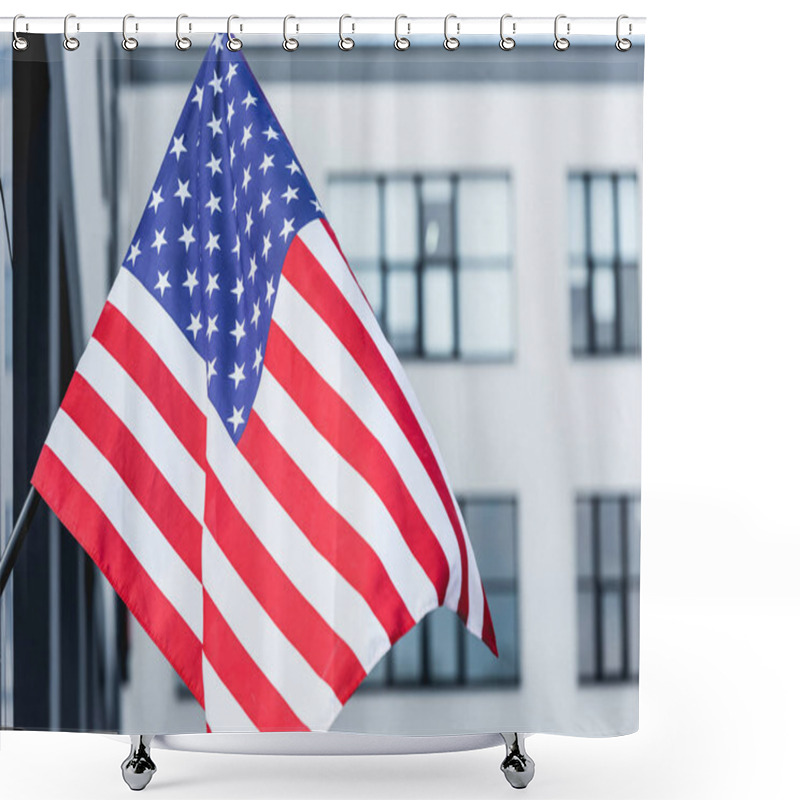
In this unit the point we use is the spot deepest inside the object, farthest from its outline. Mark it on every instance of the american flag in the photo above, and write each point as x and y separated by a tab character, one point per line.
240	451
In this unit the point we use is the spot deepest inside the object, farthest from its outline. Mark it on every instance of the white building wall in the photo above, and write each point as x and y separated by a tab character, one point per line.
542	427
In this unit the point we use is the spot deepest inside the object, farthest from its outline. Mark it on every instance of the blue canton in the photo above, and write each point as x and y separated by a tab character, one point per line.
228	200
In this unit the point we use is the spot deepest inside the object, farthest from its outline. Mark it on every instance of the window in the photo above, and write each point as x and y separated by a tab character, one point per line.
439	651
432	254
604	264
608	588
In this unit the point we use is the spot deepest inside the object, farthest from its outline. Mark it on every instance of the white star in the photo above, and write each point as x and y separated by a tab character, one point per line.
245	178
237	376
253	268
211	371
213	203
212	326
195	325
157	199
267	245
237	247
235	199
256	313
231	72
217	43
266	163
249	101
293	167
239	289
248	222
238	331
213	165
265	201
258	359
191	281
231	112
236	419
216	82
198	96
163	283
183	191
212	285
159	241
211	245
246	135
215	125
317	207
270	292
233	152
270	134
187	237
135	253
290	194
177	147
288	227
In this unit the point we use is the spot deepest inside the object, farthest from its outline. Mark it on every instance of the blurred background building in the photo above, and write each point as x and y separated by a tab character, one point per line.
488	203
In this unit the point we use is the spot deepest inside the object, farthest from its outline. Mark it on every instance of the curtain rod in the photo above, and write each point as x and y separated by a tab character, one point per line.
460	26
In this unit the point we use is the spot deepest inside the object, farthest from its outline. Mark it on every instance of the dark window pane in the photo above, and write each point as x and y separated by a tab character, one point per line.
634	536
601	204
611	605
485	292
439	325
444	628
484	218
610	538
437	219
402	313
585	548
401	220
579	306
586	642
407	657
628	219
482	666
629	288
633	631
353	211
577	219
491	524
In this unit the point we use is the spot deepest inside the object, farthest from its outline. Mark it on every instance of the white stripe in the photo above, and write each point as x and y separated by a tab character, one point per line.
223	712
343	488
315	340
331	596
311	699
158	328
318	240
124	397
156	555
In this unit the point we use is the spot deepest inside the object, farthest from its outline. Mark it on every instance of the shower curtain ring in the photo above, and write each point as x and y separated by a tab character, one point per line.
128	42
70	42
345	42
18	42
400	42
561	43
451	42
623	44
233	43
289	44
182	42
507	42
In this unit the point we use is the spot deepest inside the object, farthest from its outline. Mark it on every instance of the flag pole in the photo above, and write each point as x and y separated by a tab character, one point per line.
11	552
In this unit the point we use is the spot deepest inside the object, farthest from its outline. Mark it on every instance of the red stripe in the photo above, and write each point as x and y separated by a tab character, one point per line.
309	278
326	652
259	699
89	525
348	435
124	342
122	450
325	528
488	627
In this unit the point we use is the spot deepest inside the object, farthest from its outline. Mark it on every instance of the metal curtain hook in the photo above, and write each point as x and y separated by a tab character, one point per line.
623	44
451	42
182	42
507	42
289	44
345	42
70	42
561	42
400	42
18	42
128	42
233	43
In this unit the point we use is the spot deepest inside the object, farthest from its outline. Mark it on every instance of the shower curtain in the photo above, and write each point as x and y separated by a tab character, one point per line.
326	365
